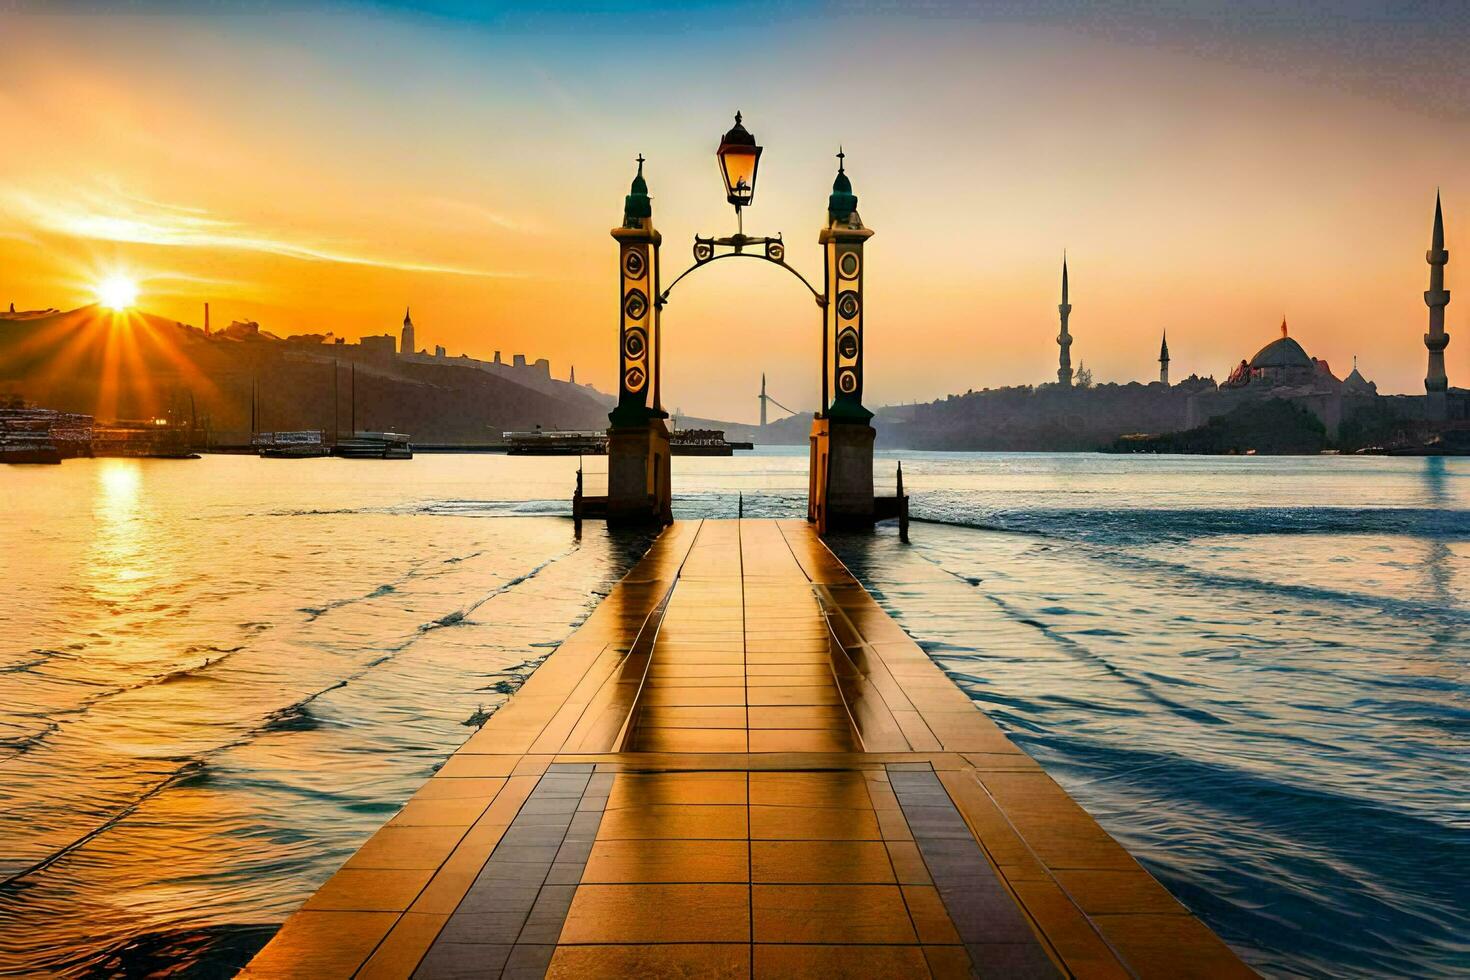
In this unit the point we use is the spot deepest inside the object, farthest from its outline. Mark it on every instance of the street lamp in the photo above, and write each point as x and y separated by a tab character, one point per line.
739	159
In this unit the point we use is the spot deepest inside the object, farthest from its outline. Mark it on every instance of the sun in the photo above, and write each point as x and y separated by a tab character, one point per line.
117	292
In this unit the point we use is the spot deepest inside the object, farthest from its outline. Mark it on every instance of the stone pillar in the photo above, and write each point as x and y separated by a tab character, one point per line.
638	439
841	492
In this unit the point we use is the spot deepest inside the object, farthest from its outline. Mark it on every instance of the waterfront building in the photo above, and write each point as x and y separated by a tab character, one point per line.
1436	384
1064	339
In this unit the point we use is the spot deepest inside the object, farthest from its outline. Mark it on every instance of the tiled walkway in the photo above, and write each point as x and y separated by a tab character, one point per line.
740	766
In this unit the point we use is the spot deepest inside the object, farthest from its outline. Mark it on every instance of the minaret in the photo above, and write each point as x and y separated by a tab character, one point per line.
573	379
763	399
1064	339
1164	361
1436	340
407	346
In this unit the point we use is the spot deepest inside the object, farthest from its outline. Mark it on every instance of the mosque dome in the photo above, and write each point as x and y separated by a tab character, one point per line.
1281	353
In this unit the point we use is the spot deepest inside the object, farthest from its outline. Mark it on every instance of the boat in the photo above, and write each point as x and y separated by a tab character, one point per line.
556	442
29	451
374	445
699	442
301	444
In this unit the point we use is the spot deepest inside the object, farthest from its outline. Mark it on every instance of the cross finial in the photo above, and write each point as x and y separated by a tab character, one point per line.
640	163
840	157
737	117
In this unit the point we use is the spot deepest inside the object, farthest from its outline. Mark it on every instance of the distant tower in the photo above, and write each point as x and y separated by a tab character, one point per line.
206	319
407	346
573	379
1064	339
763	399
1164	361
1436	298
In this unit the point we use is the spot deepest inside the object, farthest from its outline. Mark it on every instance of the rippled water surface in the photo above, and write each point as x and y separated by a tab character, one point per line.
218	677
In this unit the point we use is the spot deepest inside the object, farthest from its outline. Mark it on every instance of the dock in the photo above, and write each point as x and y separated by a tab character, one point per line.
740	765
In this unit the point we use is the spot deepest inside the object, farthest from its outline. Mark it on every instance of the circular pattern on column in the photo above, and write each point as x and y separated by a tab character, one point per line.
847	381
703	251
634	265
848	304
635	345
634	379
849	265
776	251
635	304
847	344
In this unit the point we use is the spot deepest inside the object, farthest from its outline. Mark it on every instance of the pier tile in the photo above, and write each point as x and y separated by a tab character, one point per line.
697	717
690	696
697	739
647	788
908	864
403	947
1118	892
821	789
405	848
662	962
812	823
820	862
1068	930
676	820
528	962
830	914
801	740
462	961
475	766
322	944
789	717
840	962
1170	946
814	694
378	890
931	921
490	928
711	913
1015	961
949	963
458	789
667	861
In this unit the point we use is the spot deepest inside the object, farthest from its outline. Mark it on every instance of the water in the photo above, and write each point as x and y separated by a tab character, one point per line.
219	677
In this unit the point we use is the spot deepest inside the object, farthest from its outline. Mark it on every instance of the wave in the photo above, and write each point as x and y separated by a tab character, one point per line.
1130	526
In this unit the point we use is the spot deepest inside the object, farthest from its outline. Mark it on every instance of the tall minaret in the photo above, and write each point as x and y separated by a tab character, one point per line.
1164	361
1436	298
763	399
1064	339
407	345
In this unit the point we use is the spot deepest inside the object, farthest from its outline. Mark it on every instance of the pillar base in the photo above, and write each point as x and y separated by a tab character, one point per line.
638	473
840	492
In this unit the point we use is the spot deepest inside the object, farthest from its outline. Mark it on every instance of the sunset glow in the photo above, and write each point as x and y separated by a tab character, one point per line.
117	292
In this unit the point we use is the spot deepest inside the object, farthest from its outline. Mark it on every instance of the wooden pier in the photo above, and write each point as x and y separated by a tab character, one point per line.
741	766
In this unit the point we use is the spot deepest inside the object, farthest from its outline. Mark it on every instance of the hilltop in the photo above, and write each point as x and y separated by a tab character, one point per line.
138	365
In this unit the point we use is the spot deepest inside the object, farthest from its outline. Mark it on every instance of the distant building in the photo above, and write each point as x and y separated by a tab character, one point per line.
408	346
382	346
1164	361
1064	339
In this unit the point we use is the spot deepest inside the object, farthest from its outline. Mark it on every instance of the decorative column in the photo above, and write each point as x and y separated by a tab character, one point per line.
638	438
1436	340
1064	339
842	438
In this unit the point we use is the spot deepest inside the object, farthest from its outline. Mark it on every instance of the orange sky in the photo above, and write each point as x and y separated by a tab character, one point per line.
319	172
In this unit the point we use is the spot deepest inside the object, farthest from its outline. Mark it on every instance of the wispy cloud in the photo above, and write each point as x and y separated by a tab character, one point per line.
118	216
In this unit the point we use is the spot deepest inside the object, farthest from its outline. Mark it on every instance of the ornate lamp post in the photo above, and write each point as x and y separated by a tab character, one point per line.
740	160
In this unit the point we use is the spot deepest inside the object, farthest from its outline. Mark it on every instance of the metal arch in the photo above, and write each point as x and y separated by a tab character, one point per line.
663	297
